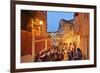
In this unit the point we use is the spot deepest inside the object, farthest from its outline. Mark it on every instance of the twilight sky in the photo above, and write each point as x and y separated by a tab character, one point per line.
53	19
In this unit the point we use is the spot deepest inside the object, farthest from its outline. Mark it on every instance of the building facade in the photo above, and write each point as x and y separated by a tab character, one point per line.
66	32
76	31
81	29
33	33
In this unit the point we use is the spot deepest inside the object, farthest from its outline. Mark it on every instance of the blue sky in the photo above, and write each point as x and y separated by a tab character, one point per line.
53	19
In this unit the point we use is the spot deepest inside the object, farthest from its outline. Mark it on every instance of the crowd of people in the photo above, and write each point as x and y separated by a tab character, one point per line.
57	53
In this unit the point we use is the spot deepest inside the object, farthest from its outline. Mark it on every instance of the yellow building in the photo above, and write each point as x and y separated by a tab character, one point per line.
66	32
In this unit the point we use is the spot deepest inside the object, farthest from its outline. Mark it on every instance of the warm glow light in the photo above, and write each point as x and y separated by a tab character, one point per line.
78	37
41	22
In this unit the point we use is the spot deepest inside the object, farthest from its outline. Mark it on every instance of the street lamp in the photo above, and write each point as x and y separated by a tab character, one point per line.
41	22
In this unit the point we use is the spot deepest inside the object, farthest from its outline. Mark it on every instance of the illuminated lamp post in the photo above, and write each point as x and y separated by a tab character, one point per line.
33	38
40	24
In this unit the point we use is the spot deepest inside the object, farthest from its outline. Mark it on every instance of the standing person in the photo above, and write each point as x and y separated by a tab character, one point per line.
71	46
65	55
77	54
69	55
37	58
54	55
47	55
59	55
